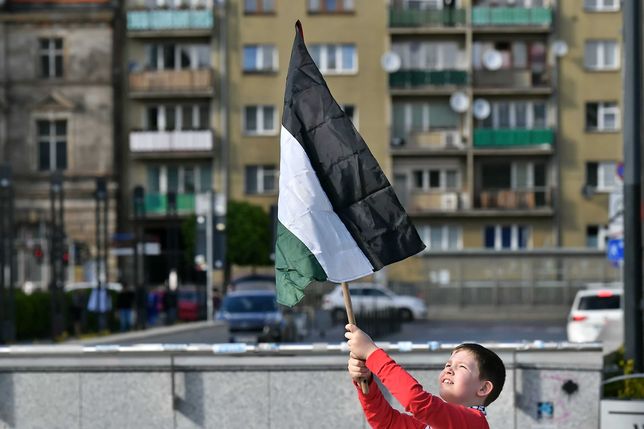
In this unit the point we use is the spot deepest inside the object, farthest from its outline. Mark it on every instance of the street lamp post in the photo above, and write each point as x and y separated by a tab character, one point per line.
56	253
7	316
101	248
139	256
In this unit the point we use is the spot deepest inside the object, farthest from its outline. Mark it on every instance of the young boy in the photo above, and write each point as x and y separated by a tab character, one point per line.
472	379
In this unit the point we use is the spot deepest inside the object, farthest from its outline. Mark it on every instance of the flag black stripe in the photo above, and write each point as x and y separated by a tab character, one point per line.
355	184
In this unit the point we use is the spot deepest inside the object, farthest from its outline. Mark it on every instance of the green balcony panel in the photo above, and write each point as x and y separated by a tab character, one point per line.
186	203
519	16
486	137
169	20
420	78
426	18
155	204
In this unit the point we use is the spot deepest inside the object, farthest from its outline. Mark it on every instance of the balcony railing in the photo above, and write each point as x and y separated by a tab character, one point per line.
511	16
200	80
171	141
426	18
152	20
419	78
511	78
417	202
512	137
513	199
157	204
429	140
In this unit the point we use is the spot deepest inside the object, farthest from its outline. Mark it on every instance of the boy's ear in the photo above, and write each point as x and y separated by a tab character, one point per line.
485	389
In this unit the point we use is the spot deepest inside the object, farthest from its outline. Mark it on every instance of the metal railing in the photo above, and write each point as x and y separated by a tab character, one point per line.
519	16
426	18
513	199
419	78
512	137
171	141
172	80
150	20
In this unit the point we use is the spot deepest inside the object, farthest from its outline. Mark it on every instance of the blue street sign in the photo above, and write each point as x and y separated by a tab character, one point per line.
615	251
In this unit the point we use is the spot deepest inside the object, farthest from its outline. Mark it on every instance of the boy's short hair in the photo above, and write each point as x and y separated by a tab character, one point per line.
491	368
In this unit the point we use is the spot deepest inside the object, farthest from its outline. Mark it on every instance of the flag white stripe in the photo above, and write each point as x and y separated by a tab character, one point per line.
305	210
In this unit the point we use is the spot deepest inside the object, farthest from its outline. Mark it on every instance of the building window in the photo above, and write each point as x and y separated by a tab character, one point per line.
51	58
436	179
601	55
260	58
516	114
601	5
602	116
441	237
259	120
52	145
422	117
335	59
259	6
431	55
170	56
183	179
261	179
177	117
595	237
601	176
506	237
331	6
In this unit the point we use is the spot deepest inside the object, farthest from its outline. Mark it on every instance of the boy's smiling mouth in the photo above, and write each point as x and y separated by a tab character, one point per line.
447	381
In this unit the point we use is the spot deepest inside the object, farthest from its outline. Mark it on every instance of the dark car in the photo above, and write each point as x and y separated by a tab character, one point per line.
252	316
191	303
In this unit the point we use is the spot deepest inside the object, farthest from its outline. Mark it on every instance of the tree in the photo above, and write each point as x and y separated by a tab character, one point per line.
248	234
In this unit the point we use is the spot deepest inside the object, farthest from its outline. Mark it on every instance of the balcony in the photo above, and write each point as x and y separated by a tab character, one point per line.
514	199
157	204
514	80
513	138
420	202
512	17
422	143
142	142
160	20
420	78
426	18
171	82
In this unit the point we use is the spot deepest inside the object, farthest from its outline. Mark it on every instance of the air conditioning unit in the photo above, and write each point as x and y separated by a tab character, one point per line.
452	140
449	201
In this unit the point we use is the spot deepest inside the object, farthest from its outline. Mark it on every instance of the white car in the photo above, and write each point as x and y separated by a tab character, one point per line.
370	297
596	315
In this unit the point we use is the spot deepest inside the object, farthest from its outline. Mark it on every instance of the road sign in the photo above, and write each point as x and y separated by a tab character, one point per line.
616	250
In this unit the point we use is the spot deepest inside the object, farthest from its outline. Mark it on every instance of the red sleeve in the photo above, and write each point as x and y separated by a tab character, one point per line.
380	414
425	407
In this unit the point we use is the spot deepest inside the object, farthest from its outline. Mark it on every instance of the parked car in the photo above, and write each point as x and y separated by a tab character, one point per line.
253	282
191	303
252	316
370	297
595	313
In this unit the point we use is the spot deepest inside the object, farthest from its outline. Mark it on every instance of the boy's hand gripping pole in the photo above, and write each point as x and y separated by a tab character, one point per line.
352	319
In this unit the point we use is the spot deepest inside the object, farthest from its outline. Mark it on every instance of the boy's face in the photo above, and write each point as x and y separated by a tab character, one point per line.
460	381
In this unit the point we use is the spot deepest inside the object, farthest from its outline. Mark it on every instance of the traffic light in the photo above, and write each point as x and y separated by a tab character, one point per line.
65	258
39	254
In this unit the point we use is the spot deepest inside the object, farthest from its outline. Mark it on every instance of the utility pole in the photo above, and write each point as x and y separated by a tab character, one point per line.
139	257
56	253
632	184
7	304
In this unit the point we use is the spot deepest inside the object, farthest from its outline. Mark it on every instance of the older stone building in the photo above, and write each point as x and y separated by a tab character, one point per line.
56	104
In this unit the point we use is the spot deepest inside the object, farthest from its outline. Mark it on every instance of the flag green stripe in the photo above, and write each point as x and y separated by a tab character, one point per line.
295	267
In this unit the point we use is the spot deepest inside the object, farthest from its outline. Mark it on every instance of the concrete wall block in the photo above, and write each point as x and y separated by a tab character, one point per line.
542	402
319	399
126	400
39	400
225	400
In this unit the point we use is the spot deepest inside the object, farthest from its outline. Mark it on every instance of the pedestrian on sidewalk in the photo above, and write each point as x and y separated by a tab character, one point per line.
125	307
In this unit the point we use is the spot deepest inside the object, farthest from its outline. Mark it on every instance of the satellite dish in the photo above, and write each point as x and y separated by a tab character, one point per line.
397	142
390	62
560	48
459	102
492	59
481	108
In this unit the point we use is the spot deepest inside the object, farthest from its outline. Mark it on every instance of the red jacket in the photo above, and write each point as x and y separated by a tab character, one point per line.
426	409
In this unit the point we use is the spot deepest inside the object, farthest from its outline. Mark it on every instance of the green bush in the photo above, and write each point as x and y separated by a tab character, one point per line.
33	315
615	365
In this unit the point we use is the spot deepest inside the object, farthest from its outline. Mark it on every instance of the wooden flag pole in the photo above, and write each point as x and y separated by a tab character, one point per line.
352	319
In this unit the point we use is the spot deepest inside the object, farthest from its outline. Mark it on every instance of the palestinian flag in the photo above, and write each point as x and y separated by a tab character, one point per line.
338	217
